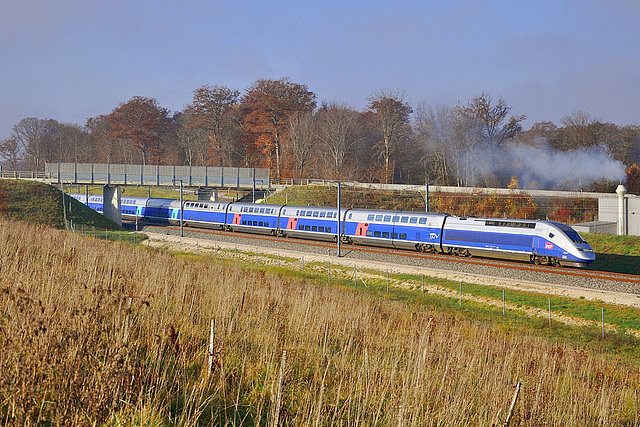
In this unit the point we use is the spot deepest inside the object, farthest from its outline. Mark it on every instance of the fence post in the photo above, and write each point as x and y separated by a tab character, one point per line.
503	304
460	294
387	280
423	285
211	345
602	322
276	413
549	311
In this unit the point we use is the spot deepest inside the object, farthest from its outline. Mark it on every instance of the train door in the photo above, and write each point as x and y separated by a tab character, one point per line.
361	230
292	224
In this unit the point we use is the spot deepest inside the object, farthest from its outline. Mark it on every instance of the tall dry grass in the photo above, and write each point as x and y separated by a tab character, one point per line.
93	332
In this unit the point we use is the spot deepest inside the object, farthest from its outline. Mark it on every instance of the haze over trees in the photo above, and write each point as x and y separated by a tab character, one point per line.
277	123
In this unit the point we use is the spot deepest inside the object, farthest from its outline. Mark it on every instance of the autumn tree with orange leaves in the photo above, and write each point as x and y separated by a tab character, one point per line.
143	122
268	105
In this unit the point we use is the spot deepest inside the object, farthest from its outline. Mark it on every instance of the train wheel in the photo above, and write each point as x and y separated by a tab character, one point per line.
555	262
535	259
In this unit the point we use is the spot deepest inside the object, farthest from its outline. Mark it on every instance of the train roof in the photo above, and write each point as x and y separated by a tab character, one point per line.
399	212
314	208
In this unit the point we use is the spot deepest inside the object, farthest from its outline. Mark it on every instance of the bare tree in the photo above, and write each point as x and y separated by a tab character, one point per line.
191	139
496	128
434	129
301	141
72	143
10	151
337	130
34	139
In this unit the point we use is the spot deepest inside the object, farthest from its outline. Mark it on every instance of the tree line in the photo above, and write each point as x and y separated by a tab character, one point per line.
279	124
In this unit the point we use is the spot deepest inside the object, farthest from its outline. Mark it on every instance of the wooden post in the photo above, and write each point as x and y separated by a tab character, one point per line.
635	408
423	285
503	304
602	322
211	345
276	413
460	294
549	311
513	404
387	280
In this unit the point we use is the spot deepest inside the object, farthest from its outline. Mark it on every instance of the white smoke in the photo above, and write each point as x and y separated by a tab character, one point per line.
543	168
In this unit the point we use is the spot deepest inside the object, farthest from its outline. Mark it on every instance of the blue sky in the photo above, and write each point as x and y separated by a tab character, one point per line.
70	60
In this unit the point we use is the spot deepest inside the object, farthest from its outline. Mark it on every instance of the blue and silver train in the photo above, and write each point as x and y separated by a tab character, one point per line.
539	242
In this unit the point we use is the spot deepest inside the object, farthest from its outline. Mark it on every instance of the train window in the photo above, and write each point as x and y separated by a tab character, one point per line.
321	228
413	220
551	235
370	217
395	219
423	220
301	227
309	213
394	235
328	229
314	228
385	234
350	216
244	222
369	233
404	219
316	213
387	218
323	214
403	236
378	217
307	228
302	213
376	234
261	224
261	210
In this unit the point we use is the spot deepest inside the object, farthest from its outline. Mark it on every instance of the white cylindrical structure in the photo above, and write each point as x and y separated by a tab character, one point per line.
622	213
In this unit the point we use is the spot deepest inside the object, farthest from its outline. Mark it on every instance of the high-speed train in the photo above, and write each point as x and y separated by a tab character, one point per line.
539	242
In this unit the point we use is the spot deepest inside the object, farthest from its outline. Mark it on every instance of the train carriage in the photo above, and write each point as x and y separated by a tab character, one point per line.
253	217
198	213
397	229
311	222
133	208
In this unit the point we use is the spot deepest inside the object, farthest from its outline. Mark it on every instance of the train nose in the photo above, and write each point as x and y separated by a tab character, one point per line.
587	254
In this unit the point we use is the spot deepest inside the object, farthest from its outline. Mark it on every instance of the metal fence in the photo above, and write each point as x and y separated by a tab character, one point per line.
191	176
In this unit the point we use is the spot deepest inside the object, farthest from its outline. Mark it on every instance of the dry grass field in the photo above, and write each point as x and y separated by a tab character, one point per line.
100	333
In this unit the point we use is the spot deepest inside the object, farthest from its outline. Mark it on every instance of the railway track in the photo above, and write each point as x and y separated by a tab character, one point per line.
572	277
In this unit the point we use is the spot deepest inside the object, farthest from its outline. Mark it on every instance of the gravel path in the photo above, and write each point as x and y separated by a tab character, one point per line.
594	289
